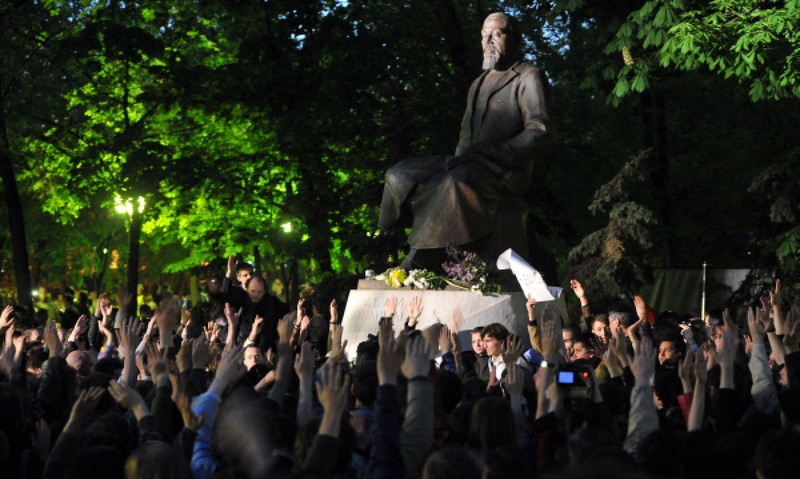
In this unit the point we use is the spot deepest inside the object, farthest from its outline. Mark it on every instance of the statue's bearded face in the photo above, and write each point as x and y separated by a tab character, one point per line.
494	39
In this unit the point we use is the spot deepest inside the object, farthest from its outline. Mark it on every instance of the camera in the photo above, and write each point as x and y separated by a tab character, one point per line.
575	378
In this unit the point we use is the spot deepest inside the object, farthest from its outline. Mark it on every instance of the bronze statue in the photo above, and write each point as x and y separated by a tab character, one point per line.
455	199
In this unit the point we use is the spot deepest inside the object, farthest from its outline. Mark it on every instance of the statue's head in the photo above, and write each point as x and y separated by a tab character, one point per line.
500	39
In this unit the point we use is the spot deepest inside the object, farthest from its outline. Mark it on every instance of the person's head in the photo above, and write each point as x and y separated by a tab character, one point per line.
569	333
35	358
33	335
776	455
494	339
500	37
600	328
252	356
508	462
317	328
619	316
477	340
156	460
491	425
450	463
365	383
712	319
667	353
244	271
69	295
582	348
256	288
583	442
82	362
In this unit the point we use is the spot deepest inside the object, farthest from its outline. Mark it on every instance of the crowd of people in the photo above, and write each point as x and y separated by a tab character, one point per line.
250	388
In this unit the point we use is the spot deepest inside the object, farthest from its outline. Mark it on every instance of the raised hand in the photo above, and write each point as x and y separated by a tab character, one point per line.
390	356
641	307
201	354
792	328
300	312
418	358
304	324
332	392
610	359
19	349
157	364
633	333
530	305
337	346
184	356
304	362
643	364
334	309
756	327
455	344
51	340
169	315
512	350
231	267
577	288
552	341
457	321
730	341
190	421
229	369
777	312
414	310
80	327
85	403
105	331
391	307
256	329
124	297
106	308
444	339
5	317
127	397
7	360
129	335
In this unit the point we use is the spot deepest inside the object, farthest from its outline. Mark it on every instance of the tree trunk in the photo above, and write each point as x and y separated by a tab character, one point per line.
133	258
16	224
655	138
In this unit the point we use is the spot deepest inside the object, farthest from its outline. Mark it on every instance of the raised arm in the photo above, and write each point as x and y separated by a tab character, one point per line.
304	367
697	411
129	341
643	417
417	435
283	370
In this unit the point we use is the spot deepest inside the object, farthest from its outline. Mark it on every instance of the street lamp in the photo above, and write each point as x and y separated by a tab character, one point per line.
126	207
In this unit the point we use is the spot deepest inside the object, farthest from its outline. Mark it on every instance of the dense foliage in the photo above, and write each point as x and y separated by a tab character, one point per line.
262	129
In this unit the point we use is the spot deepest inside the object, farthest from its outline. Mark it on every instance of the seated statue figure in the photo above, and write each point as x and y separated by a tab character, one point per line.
455	199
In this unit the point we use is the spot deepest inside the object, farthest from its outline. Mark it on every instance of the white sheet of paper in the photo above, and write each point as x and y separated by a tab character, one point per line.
529	279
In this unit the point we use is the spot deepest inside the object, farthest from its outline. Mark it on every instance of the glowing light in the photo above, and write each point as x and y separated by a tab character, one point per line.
287	227
126	206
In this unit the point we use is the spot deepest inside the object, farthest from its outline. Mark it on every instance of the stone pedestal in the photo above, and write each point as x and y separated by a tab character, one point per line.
366	306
